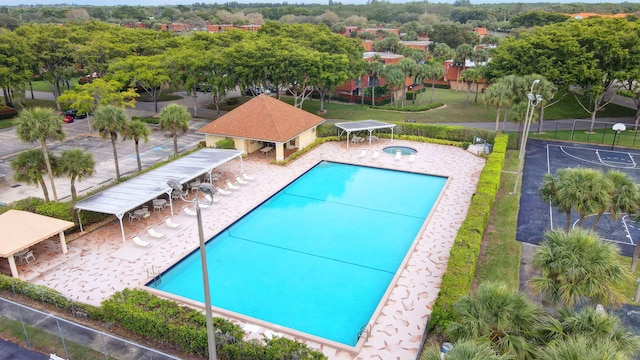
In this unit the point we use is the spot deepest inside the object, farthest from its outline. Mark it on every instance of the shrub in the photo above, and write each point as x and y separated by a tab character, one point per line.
454	133
233	101
410	108
225	144
457	280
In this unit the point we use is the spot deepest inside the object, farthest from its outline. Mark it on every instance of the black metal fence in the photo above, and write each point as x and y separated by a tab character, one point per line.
579	131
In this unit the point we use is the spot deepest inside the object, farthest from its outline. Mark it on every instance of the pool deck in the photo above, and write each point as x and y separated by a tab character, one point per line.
99	263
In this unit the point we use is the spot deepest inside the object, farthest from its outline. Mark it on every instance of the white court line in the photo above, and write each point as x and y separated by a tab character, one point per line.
626	229
600	161
549	172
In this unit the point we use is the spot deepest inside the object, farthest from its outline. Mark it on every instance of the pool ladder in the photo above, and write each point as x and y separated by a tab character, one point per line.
156	278
365	331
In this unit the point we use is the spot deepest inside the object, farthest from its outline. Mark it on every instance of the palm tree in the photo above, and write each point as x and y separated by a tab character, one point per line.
582	347
375	68
433	71
137	130
504	318
578	266
463	52
110	121
469	76
175	119
624	197
465	350
497	94
409	69
76	164
603	331
395	79
587	190
549	193
41	124
29	167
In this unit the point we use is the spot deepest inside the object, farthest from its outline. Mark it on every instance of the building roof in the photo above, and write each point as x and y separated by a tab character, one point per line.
22	229
263	118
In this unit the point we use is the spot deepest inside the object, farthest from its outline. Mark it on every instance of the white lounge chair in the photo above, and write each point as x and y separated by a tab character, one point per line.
208	199
154	233
247	177
230	186
241	181
140	242
398	155
222	191
412	157
375	154
363	153
171	224
189	211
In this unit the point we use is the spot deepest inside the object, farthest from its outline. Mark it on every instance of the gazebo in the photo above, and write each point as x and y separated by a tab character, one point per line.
22	229
363	125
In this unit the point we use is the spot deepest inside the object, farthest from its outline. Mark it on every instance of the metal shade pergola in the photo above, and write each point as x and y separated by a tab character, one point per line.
119	199
369	125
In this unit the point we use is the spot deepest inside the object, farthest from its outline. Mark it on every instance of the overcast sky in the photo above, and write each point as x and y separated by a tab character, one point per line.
189	2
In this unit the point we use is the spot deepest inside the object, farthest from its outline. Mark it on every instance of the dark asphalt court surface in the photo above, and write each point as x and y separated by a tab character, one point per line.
535	216
11	351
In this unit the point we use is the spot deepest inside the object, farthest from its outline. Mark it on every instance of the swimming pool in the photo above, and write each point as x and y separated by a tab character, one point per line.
319	255
404	150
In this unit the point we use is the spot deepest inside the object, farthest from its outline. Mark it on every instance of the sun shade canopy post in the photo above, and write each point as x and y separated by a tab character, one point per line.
135	192
362	125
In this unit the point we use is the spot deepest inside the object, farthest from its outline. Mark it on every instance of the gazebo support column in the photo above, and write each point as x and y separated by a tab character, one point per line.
13	267
279	151
63	242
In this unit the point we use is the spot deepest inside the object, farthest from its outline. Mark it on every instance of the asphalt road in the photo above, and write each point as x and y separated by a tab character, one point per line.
11	351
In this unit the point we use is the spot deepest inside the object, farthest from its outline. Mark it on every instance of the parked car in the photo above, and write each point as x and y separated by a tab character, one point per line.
254	91
67	119
74	114
203	88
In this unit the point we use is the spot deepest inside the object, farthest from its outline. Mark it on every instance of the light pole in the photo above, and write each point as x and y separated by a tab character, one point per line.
210	190
533	101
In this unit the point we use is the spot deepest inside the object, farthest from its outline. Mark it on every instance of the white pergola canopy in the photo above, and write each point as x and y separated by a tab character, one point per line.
368	125
119	199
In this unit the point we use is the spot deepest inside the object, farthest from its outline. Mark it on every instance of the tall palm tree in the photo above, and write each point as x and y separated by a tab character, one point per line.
41	124
588	190
29	167
433	71
137	130
395	79
409	67
578	266
175	119
375	69
549	193
504	318
110	121
470	76
599	327
624	197
497	94
76	164
463	52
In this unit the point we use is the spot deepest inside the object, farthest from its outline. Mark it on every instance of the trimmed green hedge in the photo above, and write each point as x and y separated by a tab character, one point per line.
455	133
457	280
410	108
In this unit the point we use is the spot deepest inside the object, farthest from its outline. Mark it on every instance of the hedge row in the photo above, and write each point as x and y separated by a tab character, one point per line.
185	328
410	108
455	133
457	280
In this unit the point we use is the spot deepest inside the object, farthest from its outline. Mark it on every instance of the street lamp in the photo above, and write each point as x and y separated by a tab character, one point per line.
533	101
209	190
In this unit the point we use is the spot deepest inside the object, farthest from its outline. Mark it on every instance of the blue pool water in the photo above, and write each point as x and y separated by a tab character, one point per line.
404	150
319	255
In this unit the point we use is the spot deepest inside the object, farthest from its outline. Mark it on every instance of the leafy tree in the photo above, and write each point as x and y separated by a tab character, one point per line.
29	167
111	121
503	318
137	130
175	119
41	124
76	164
537	18
453	35
145	71
15	64
578	266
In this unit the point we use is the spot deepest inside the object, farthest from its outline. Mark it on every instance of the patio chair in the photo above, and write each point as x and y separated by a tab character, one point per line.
412	158
241	181
158	207
208	199
171	224
247	177
140	242
398	155
232	187
133	216
223	191
376	153
189	211
363	153
154	233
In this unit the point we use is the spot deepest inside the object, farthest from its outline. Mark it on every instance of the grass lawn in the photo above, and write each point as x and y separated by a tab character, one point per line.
599	136
46	87
569	108
500	253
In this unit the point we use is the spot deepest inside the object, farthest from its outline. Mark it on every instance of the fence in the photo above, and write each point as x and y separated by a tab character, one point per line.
67	339
578	130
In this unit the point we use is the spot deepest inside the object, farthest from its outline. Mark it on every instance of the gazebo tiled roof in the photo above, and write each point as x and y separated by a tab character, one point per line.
263	118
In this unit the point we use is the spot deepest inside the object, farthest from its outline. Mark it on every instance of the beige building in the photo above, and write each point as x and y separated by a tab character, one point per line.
264	124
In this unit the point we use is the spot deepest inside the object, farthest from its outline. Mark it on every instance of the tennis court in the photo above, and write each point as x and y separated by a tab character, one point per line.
535	216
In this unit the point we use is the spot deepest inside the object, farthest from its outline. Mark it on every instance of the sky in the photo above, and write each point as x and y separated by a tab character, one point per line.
291	2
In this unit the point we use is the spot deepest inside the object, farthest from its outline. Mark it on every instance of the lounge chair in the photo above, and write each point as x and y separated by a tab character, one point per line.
189	211
412	158
171	224
398	155
241	181
247	177
140	242
363	153
375	154
154	233
230	186
223	191
208	199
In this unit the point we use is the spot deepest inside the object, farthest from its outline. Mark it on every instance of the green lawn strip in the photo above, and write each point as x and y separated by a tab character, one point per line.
569	108
599	136
7	123
44	86
45	342
499	258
